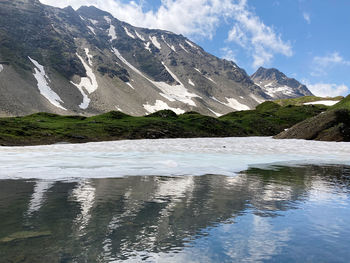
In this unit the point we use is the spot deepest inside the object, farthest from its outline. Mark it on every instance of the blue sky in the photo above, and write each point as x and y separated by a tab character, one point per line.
305	39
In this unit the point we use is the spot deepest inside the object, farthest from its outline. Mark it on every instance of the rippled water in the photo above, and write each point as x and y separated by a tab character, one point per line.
283	214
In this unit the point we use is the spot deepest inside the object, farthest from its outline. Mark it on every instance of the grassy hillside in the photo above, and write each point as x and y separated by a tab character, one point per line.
43	128
301	100
343	104
270	118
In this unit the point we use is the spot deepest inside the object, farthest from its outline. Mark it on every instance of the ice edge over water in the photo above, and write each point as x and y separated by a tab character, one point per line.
167	157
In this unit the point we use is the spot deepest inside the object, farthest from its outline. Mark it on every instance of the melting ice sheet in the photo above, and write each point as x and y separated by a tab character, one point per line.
168	157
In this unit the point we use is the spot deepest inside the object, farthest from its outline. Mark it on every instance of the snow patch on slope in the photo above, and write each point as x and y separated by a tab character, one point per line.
117	53
128	32
140	36
273	89
323	102
235	104
191	82
177	92
170	46
1	67
92	30
112	33
147	46
88	83
184	48
93	21
209	78
161	105
108	20
43	85
155	42
87	52
171	93
129	84
217	114
256	98
189	43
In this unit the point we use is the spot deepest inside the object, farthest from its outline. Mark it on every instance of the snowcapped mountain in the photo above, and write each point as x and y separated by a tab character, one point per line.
279	86
88	62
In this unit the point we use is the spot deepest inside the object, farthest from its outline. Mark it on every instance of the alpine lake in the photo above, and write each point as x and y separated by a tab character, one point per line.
282	212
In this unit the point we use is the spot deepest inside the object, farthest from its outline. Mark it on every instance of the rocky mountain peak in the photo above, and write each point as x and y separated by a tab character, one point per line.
278	85
88	62
271	73
92	11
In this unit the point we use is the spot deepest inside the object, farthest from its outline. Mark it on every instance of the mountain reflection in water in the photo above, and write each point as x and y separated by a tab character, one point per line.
280	214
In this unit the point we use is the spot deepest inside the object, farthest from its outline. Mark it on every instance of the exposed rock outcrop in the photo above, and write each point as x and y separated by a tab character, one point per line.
333	125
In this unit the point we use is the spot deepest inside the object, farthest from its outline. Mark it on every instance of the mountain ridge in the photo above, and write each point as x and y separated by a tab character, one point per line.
278	85
88	62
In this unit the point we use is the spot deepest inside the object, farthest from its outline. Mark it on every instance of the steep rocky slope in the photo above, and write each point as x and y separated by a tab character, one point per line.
87	62
332	125
278	85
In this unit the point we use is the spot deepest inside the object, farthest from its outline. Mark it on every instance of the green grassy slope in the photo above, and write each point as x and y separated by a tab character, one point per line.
301	100
44	128
343	104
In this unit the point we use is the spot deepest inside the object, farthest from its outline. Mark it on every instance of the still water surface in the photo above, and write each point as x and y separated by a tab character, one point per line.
281	214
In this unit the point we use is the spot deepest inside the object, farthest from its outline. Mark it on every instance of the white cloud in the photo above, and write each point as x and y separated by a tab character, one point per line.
252	34
331	59
307	17
321	65
228	54
327	89
198	18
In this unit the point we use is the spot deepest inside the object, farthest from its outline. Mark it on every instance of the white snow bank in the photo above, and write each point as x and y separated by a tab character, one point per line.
140	36
164	157
129	33
191	82
117	53
147	46
43	85
170	46
92	30
111	33
1	67
177	92
108	19
217	114
235	104
189	43
161	105
88	83
93	21
183	48
171	93
155	42
209	78
259	100
129	84
87	52
323	102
